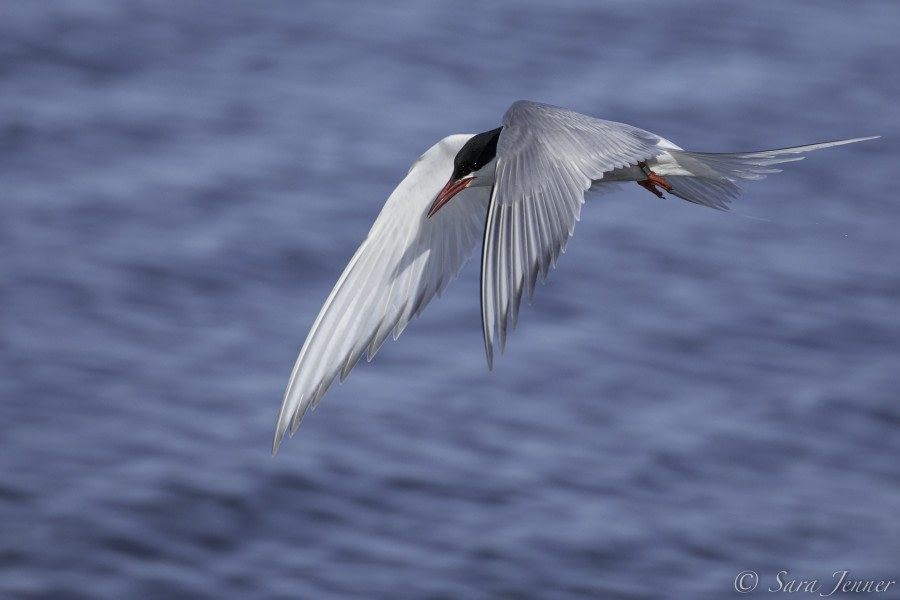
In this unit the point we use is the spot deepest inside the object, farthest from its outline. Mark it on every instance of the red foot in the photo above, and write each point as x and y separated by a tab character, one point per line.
652	181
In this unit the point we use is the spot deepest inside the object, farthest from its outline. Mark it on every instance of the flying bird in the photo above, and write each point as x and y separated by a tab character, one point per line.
519	188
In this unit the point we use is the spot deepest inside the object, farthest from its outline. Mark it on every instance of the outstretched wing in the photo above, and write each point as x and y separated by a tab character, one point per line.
404	261
547	158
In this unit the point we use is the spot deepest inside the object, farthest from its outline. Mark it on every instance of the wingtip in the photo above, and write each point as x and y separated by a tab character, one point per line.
489	353
276	442
283	423
854	140
288	422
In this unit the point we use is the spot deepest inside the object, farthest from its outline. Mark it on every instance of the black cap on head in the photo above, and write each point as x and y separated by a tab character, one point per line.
477	152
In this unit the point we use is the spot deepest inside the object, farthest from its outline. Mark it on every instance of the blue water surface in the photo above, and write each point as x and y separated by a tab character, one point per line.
694	394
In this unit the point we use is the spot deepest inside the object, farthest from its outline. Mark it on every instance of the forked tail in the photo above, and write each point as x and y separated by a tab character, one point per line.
710	178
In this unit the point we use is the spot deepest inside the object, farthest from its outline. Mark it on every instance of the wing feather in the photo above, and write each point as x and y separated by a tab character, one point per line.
405	260
547	158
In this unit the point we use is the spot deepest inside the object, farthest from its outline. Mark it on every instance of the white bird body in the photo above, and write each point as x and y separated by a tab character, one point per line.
519	188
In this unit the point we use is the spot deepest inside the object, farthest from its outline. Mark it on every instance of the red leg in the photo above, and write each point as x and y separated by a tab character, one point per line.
652	181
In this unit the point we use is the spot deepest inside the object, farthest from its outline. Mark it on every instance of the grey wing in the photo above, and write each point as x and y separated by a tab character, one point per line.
405	260
547	158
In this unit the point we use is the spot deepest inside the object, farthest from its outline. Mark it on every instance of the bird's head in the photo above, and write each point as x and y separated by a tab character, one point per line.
475	160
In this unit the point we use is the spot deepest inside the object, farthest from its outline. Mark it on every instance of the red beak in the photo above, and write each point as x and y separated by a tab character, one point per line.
451	189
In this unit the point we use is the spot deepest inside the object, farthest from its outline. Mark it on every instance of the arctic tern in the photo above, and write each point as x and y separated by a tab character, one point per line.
518	188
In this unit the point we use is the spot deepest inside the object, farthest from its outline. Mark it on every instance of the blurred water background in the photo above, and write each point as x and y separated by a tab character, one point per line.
694	394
